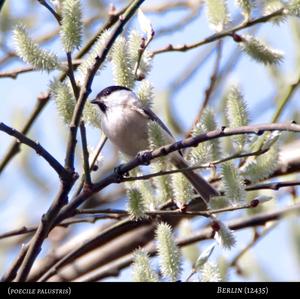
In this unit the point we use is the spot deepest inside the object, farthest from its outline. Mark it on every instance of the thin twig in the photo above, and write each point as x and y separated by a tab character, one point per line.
71	76
12	271
13	74
177	212
212	83
85	152
18	231
291	90
94	160
40	150
273	185
207	165
217	36
143	46
257	237
15	147
51	10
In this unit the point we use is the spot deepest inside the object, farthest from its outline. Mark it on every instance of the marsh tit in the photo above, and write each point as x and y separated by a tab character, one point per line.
124	121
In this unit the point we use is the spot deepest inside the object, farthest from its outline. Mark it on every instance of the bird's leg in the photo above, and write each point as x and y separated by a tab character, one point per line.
144	157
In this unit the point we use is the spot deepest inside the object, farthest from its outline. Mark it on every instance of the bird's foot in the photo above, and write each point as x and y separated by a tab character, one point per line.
119	173
144	157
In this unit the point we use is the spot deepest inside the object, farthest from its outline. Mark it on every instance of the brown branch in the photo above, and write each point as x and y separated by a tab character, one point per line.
207	165
143	46
41	151
85	152
114	268
15	147
218	36
273	185
27	230
13	74
94	160
257	237
107	235
51	10
12	271
117	214
177	212
18	231
126	225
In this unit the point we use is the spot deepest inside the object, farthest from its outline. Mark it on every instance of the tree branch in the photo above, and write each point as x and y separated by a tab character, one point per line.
50	9
15	147
212	83
203	166
217	36
41	151
85	152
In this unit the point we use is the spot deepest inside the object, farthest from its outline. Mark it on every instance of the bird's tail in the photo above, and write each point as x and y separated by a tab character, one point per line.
204	189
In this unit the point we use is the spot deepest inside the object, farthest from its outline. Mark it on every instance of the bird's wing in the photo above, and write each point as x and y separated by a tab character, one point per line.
151	115
155	118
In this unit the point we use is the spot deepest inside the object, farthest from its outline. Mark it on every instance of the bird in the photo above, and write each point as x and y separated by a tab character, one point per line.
124	121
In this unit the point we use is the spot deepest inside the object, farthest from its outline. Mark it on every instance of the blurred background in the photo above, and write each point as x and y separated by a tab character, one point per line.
180	79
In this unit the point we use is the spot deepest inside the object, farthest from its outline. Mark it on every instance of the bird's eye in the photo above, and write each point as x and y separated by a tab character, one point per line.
103	107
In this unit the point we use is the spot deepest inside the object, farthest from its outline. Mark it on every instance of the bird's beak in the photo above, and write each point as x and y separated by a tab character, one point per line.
94	101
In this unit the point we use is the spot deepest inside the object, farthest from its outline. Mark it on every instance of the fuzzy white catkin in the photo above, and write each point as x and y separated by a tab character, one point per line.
263	166
141	268
122	64
210	150
31	53
64	99
217	14
224	236
145	93
293	8
210	273
136	206
71	25
260	51
234	185
182	189
236	113
169	253
246	7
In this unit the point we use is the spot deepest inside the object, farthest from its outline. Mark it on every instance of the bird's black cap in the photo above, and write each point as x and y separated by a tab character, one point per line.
108	90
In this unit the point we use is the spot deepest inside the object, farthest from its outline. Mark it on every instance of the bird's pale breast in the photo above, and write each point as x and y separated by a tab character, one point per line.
130	133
